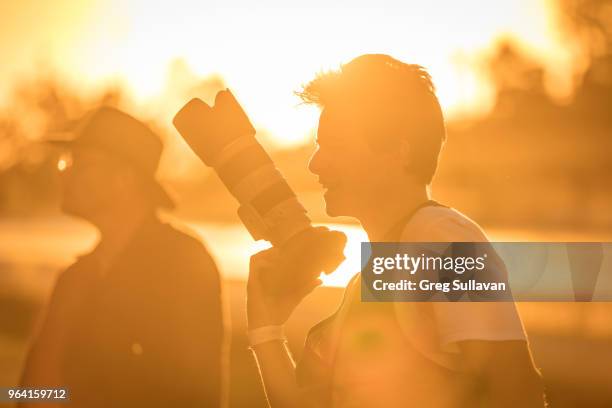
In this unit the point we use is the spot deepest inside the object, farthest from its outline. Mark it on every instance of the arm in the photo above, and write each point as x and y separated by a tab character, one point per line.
507	370
276	366
277	370
184	342
200	336
41	367
42	361
504	365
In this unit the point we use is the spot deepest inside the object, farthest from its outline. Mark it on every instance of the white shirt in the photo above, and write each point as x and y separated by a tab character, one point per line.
405	353
438	329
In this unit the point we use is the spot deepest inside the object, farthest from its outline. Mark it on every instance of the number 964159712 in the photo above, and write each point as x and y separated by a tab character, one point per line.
33	394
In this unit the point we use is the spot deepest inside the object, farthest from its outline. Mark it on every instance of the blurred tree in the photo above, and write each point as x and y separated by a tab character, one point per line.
589	22
530	162
518	81
39	107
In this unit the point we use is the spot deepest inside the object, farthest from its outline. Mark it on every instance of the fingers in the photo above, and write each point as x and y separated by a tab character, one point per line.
262	261
265	257
276	271
317	249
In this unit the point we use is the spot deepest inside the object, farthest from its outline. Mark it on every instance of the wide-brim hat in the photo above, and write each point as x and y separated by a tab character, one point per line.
123	137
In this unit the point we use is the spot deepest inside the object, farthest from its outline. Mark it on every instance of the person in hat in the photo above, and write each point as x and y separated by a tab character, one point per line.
125	325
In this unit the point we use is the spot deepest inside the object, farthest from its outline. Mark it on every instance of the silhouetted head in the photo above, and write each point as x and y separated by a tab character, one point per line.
111	166
381	129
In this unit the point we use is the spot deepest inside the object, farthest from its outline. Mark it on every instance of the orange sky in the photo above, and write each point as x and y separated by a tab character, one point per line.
264	50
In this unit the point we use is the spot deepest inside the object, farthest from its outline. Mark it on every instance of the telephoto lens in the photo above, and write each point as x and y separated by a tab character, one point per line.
224	139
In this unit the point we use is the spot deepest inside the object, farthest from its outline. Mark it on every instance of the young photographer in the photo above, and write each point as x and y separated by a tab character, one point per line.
379	137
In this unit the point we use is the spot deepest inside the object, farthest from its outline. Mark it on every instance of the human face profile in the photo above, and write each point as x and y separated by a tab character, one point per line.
354	176
90	181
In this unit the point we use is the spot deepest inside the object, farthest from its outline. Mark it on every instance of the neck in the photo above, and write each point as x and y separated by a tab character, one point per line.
116	230
389	211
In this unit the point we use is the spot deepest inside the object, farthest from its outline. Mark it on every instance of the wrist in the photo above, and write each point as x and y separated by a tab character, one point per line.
260	317
256	323
266	334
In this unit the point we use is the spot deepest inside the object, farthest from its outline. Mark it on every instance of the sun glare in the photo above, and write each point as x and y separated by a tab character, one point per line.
265	51
352	253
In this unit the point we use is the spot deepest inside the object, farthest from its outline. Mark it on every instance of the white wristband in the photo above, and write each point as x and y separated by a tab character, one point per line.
265	334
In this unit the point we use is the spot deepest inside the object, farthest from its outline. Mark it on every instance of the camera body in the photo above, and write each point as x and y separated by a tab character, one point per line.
224	139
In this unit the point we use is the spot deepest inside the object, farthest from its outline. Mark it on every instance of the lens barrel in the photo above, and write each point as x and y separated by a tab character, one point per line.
223	137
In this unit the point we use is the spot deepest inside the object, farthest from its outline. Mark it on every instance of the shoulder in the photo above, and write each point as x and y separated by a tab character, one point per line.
69	289
77	274
188	252
180	257
459	321
177	248
175	239
439	223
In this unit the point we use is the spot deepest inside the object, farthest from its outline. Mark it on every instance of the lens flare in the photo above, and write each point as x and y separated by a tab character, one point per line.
64	162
